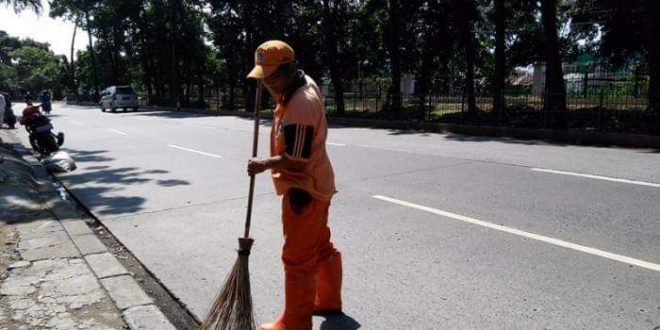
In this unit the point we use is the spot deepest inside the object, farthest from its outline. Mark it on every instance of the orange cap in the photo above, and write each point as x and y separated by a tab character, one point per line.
269	56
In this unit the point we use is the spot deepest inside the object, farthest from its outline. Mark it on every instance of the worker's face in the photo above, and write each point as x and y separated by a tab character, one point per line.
278	81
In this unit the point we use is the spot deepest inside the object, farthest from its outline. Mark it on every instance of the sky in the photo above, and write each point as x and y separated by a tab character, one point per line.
56	32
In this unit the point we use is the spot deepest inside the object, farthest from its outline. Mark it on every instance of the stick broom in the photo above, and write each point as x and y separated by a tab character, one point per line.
232	307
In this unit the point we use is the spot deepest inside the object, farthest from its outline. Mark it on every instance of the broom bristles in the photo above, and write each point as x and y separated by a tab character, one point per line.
232	307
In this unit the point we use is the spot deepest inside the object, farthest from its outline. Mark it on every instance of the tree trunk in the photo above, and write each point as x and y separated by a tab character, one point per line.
425	77
72	63
175	86
200	86
112	51
499	75
470	54
336	74
93	57
145	53
653	49
394	35
249	25
555	97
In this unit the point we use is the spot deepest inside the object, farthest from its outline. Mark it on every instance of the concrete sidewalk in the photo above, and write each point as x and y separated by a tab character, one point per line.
56	274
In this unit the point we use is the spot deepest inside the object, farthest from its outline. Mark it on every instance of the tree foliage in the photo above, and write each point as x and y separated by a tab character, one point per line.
28	65
21	5
182	51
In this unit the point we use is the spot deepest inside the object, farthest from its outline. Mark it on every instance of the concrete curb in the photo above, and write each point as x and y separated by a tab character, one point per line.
135	305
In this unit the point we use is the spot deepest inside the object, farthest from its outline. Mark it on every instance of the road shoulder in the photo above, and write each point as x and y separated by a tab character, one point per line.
56	272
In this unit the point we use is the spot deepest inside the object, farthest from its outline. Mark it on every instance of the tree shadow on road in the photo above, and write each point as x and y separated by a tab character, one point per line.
339	321
503	139
172	114
100	187
264	120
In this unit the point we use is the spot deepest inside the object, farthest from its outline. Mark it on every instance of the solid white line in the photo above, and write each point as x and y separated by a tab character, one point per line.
598	177
195	151
116	131
545	239
336	144
77	123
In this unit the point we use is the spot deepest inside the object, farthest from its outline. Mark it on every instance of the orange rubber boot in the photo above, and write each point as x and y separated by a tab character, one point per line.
328	285
298	305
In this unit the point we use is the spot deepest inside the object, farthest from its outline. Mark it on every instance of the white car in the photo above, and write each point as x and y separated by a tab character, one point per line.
115	97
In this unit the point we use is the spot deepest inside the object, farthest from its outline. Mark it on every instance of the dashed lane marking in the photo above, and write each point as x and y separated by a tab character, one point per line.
195	151
521	233
115	131
598	177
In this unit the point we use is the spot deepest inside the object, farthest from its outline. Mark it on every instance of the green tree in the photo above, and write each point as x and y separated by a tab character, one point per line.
499	76
37	69
20	5
555	96
627	28
333	29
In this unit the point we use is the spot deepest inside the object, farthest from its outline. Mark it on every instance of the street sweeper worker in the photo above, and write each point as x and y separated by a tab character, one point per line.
303	176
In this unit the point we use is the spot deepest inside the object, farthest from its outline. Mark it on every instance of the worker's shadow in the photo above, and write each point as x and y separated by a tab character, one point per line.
339	321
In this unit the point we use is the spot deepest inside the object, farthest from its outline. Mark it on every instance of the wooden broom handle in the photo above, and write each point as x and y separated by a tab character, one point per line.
255	143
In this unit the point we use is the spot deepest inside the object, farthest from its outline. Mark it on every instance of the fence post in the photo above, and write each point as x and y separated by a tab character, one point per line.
353	95
600	109
636	75
378	98
501	106
585	85
544	96
430	106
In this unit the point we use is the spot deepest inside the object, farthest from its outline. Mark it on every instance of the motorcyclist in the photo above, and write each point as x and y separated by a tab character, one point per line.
29	111
45	101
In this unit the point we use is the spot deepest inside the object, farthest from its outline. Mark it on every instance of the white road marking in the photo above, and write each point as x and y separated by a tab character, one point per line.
77	123
598	177
195	151
143	119
200	126
541	238
115	131
381	148
335	144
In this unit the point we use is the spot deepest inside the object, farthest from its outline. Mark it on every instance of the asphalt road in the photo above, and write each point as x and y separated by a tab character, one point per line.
437	231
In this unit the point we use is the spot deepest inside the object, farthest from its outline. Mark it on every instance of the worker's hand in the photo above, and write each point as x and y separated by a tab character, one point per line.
256	165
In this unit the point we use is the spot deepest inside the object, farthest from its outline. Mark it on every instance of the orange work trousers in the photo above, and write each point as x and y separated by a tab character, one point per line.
306	236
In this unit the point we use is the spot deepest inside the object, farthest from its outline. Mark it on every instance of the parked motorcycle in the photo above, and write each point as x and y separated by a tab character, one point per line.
41	135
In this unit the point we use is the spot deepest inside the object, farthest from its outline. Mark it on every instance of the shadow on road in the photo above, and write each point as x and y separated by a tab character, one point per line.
171	114
339	322
471	138
91	184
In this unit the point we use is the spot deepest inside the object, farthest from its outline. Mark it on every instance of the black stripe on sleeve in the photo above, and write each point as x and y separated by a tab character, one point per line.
298	140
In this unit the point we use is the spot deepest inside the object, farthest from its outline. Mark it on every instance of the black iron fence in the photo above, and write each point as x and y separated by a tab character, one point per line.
601	110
